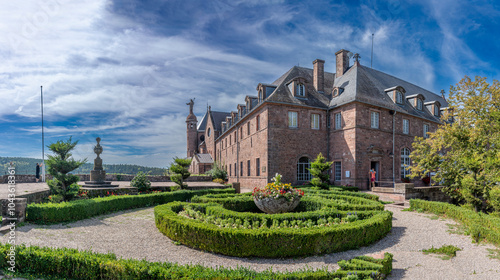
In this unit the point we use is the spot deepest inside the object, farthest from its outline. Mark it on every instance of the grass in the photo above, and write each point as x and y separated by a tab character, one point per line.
386	202
494	254
447	251
457	229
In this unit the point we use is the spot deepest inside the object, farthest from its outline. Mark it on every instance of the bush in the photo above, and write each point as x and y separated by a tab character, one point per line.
141	182
74	264
478	225
82	209
180	169
226	229
318	170
494	199
219	181
218	171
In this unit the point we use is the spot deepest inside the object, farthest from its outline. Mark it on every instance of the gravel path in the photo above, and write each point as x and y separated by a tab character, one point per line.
133	234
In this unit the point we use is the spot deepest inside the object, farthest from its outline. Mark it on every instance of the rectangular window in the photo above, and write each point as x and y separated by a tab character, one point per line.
241	132
292	119
338	121
375	119
235	139
314	121
406	126
419	104
257	167
426	130
257	123
230	171
248	167
235	170
241	168
338	171
248	128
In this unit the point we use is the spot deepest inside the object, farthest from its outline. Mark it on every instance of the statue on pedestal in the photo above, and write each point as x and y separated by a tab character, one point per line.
98	174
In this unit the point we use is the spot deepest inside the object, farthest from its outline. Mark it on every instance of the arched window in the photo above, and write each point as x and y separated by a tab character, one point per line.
405	162
419	104
209	132
303	166
301	90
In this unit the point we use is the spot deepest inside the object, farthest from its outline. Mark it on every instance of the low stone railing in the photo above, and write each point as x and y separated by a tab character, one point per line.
109	177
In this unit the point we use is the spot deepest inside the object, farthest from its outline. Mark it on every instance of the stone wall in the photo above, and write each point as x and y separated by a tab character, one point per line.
432	193
109	177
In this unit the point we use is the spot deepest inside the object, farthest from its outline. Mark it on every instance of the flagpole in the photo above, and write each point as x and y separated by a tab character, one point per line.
43	138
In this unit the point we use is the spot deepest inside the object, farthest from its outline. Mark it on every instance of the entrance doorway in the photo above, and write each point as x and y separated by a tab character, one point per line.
375	166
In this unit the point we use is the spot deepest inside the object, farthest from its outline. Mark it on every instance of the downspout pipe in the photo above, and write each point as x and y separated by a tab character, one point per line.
393	113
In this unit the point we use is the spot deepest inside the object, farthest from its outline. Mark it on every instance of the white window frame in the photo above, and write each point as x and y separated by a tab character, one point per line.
338	120
292	119
337	166
374	119
399	97
405	162
301	90
303	173
426	130
406	126
420	104
314	121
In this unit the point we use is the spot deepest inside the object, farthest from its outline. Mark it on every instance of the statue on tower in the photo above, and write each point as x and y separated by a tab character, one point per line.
191	104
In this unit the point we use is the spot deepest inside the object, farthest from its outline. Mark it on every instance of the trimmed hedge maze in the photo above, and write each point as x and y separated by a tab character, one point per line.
229	224
43	262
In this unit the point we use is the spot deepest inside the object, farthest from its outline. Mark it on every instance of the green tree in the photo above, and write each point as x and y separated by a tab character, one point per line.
318	170
217	171
141	182
465	149
59	165
180	169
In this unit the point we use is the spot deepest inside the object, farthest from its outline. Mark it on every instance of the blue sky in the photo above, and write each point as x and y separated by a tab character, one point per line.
123	70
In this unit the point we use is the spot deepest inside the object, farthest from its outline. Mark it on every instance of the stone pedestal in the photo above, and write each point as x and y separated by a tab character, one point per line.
13	211
97	176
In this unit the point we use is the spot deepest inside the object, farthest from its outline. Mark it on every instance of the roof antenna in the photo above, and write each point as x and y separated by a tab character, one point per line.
371	62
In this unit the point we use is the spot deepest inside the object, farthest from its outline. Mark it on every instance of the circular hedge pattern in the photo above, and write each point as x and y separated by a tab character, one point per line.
231	224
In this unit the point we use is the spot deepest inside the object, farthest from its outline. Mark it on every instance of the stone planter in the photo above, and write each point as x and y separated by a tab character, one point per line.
272	205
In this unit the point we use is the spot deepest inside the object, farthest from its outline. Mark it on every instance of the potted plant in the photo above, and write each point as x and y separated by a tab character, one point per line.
277	197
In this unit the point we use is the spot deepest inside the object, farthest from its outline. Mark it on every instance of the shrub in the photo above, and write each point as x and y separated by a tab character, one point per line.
74	264
47	213
219	181
224	227
60	164
494	199
478	225
318	171
218	171
141	182
180	170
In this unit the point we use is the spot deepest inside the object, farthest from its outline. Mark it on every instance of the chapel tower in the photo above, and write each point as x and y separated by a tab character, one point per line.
191	131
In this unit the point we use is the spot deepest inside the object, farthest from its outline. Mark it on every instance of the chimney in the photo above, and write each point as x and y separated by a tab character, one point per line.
319	75
342	62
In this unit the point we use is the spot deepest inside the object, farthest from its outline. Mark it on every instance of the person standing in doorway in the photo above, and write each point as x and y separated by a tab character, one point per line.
37	174
373	175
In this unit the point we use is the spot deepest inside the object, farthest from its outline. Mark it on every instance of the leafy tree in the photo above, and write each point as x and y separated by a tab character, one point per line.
180	169
465	152
59	165
141	182
318	170
218	171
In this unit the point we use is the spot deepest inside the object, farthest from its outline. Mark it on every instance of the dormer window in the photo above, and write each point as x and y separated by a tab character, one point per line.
397	94
301	90
399	97
297	87
436	111
419	104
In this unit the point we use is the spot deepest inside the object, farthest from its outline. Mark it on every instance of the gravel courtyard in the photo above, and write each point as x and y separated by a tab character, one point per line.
133	234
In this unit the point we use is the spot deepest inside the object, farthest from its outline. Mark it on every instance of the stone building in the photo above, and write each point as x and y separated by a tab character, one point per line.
358	117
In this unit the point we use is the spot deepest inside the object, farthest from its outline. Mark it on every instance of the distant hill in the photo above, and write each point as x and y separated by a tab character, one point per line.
28	166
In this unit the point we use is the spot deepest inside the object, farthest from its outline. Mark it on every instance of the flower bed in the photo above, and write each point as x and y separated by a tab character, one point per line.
317	226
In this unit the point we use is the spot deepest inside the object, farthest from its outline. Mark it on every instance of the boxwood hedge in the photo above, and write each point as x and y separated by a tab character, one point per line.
272	242
479	225
46	213
74	264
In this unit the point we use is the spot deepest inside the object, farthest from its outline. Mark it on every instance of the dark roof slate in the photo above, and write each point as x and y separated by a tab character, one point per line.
217	119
